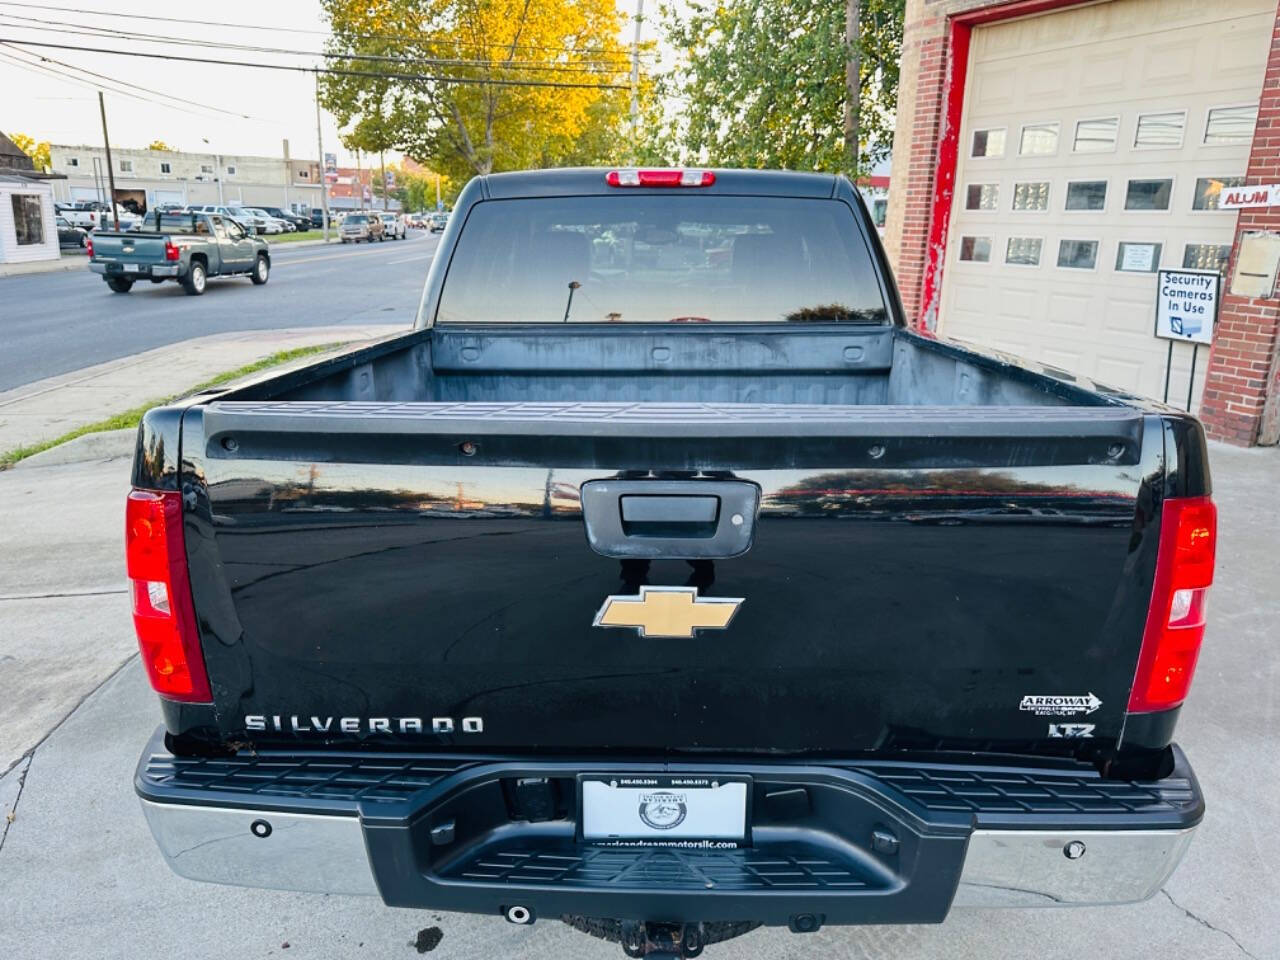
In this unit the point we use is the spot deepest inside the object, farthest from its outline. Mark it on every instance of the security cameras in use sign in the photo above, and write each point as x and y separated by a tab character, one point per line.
1187	305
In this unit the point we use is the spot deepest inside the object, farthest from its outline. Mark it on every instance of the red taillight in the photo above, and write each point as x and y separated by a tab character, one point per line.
163	615
88	245
1175	621
170	251
665	177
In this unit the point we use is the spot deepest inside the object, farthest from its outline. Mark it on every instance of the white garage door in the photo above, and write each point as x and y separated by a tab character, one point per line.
169	196
1093	143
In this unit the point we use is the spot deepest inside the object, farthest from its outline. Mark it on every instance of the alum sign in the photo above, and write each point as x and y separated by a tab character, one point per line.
1187	304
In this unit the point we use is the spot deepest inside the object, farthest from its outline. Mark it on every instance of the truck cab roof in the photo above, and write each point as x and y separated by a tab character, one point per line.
587	181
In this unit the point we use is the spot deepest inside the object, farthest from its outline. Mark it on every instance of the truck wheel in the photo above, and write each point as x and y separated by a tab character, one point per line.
119	284
195	280
261	270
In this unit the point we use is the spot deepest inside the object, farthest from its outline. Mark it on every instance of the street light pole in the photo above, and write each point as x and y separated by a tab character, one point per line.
111	174
324	181
635	72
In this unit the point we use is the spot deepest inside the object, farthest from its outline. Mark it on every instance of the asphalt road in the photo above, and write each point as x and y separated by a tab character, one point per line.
53	323
80	876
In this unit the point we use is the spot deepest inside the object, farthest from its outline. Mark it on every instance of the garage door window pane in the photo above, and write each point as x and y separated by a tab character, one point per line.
1023	251
28	218
1138	257
1160	129
1209	191
1087	195
988	143
1096	136
982	196
1206	256
975	249
1038	140
1031	196
1231	124
1148	195
1078	254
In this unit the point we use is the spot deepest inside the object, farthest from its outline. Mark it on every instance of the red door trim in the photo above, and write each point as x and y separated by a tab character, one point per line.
959	28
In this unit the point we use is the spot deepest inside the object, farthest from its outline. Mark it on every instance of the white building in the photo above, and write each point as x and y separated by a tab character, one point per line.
144	178
27	228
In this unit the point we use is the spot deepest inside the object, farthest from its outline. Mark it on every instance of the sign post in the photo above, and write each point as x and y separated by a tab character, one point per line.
1186	310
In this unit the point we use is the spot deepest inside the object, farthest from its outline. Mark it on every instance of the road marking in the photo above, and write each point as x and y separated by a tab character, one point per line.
424	256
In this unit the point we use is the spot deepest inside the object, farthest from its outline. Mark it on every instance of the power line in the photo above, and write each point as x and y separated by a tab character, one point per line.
148	90
115	33
402	35
335	71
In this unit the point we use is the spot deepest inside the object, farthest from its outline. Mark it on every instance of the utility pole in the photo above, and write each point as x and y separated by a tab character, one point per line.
440	206
324	180
111	173
359	180
852	84
382	162
635	72
288	174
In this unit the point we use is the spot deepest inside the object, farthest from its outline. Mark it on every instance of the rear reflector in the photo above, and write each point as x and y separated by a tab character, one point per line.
664	177
1176	618
163	615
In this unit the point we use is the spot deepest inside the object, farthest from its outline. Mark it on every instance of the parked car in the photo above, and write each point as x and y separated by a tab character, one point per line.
92	214
317	218
393	225
71	236
276	224
252	222
791	615
439	221
362	226
187	247
414	220
298	220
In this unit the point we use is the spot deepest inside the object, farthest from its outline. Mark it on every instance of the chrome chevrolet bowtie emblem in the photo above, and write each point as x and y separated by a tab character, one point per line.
668	612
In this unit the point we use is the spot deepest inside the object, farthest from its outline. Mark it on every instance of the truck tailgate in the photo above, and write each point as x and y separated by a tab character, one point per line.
916	577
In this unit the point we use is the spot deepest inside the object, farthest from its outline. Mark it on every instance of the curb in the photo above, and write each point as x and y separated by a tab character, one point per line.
43	266
103	445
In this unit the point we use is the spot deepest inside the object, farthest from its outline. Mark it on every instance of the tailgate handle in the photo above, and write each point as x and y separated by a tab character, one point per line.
675	519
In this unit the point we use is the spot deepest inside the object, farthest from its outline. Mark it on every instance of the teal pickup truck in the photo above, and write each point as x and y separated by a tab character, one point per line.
187	247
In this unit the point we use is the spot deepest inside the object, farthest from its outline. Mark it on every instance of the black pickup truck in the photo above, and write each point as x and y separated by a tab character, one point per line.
661	580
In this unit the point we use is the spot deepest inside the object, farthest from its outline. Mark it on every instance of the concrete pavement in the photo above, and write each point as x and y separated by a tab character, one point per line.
80	877
49	408
58	323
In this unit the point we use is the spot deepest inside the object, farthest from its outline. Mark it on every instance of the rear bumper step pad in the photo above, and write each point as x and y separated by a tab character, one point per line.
437	831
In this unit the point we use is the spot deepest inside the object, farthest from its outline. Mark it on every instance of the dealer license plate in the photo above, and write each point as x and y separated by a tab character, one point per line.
663	810
130	268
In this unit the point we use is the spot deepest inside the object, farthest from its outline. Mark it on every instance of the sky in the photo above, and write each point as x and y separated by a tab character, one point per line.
263	107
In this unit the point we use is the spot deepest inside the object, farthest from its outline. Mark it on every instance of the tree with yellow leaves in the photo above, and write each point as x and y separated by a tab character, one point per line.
38	151
475	86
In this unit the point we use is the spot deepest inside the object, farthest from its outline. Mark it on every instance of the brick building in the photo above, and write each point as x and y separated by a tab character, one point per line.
1052	155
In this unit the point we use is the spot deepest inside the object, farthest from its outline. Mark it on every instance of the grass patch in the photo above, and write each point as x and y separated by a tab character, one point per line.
131	418
303	235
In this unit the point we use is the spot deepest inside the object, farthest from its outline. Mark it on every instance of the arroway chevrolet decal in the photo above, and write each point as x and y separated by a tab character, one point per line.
1059	705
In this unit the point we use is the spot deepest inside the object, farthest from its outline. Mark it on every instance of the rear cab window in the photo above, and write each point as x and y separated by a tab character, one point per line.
661	258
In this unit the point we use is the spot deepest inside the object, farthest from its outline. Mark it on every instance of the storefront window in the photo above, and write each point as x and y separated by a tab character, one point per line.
1087	195
28	218
1038	140
975	249
1148	195
1209	191
1137	257
1206	256
1078	254
1096	136
1160	130
982	196
988	143
1031	196
1230	124
1023	251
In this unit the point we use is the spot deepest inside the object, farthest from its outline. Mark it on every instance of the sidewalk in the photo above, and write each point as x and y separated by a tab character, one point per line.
68	261
49	408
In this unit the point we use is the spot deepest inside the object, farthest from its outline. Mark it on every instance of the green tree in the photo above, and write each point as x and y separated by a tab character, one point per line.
762	83
476	101
38	151
160	145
